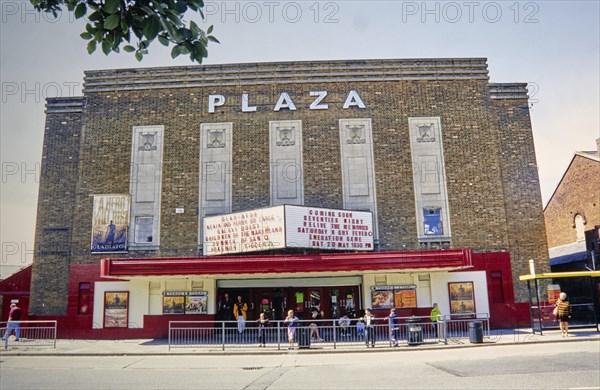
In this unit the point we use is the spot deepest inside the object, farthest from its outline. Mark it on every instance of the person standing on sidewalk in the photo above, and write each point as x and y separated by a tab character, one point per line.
239	311
14	316
369	319
392	324
292	322
435	316
564	313
262	322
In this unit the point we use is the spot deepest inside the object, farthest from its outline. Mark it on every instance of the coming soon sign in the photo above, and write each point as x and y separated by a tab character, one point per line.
288	226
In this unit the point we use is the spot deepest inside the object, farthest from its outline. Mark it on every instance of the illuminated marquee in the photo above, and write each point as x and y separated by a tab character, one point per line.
288	227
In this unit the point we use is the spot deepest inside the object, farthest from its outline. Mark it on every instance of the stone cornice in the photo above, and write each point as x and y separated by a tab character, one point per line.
508	91
65	105
285	73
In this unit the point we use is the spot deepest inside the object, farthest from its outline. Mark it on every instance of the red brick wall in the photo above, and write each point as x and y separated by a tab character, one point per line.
578	192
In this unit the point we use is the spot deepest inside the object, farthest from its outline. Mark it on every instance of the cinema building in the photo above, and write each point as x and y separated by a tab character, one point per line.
351	184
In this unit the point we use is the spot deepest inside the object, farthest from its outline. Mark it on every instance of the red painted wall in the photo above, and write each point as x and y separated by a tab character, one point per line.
508	314
16	286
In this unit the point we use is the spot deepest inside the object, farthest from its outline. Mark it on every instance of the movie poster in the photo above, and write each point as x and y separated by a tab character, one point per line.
173	304
405	297
462	298
116	305
195	303
110	222
382	299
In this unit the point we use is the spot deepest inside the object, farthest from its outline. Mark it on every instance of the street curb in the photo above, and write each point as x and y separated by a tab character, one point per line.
403	349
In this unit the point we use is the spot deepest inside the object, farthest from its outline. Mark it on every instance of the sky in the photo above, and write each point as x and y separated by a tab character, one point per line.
551	45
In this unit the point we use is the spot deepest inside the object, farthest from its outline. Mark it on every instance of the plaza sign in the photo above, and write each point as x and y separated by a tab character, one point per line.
288	226
285	101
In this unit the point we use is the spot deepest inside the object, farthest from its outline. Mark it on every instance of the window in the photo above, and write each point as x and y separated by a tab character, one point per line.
143	230
84	298
579	227
432	220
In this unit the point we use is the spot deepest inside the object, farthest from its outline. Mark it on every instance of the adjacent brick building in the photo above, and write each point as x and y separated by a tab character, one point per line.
573	212
442	158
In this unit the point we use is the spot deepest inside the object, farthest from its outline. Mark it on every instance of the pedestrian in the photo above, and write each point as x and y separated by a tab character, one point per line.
314	327
369	328
360	328
435	317
226	309
14	318
262	322
344	323
391	318
292	322
564	313
239	311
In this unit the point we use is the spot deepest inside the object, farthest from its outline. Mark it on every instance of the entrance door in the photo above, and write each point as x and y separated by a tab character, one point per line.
270	301
342	301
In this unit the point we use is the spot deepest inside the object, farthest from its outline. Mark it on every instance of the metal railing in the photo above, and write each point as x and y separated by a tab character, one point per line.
30	333
320	334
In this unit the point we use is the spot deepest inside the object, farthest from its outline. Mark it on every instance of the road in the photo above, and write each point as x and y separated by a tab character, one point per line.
574	365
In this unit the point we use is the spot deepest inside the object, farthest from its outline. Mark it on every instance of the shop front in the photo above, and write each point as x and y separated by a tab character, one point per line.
336	284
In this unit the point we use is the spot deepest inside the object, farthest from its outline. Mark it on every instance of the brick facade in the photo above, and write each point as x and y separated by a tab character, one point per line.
493	187
577	193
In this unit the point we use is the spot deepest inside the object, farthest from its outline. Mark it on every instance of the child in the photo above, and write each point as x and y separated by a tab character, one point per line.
344	323
360	327
262	323
292	321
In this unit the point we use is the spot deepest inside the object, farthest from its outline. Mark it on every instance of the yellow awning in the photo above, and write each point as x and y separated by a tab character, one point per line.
551	275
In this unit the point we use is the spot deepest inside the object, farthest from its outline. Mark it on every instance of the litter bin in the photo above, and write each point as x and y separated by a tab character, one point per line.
303	336
414	331
476	332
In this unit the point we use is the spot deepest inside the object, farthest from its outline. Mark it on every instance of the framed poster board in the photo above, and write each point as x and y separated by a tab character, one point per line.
382	299
116	309
405	297
195	303
462	297
173	304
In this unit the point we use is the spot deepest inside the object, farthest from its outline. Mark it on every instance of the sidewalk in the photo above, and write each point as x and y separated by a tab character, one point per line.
161	346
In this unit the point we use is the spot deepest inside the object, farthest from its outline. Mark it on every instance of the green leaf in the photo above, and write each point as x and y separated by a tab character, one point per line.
129	48
213	39
111	6
180	7
152	28
106	47
112	22
176	51
139	56
164	40
194	28
209	30
86	35
187	34
95	16
80	10
91	47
